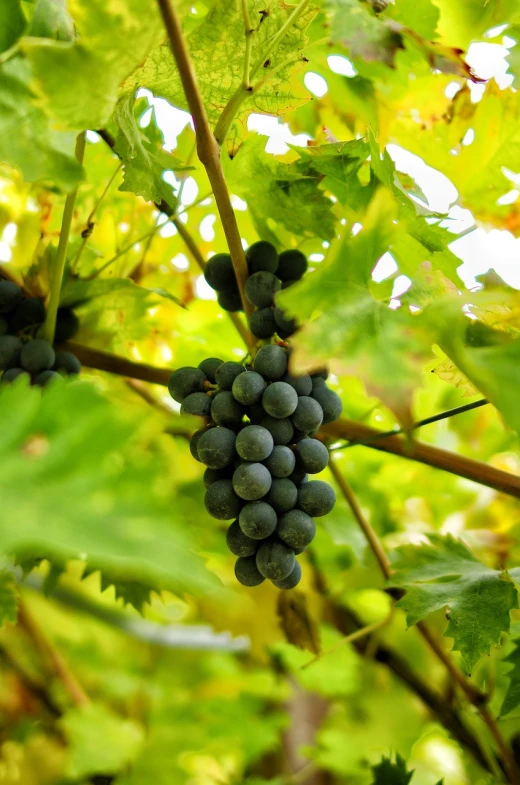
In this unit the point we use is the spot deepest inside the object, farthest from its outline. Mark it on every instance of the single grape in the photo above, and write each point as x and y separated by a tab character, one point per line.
68	362
287	326
221	501
281	430
296	529
302	384
292	580
194	443
225	410
216	448
197	404
261	256
12	374
257	520
226	374
271	362
282	495
280	400
251	481
248	388
10	296
246	571
312	455
184	382
299	476
275	560
281	462
10	349
254	443
67	325
239	543
230	301
262	323
30	311
317	381
219	273
209	368
43	378
261	289
329	401
316	498
212	475
292	265
308	415
37	356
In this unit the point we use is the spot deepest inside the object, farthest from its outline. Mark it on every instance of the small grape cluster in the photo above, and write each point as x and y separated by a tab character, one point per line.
22	353
268	273
259	449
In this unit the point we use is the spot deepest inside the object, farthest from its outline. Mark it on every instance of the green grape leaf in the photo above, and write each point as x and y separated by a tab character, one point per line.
94	488
351	330
218	46
51	19
27	140
444	574
99	741
289	194
113	309
388	773
339	163
513	58
371	38
493	368
421	16
112	41
512	697
145	161
12	23
8	597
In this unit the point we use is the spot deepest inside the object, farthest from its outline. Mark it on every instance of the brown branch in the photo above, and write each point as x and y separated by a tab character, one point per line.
472	693
208	149
52	657
347	429
103	361
477	471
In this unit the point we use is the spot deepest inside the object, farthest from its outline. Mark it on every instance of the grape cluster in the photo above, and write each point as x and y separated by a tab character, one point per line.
22	353
259	449
268	273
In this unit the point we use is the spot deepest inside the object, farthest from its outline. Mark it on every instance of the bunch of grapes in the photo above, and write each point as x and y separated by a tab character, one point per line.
259	449
268	273
20	351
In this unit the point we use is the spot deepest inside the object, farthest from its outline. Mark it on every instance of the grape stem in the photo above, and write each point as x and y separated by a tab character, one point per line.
208	149
473	694
49	326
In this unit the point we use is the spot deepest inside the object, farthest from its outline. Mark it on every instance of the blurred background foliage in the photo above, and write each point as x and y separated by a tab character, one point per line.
136	657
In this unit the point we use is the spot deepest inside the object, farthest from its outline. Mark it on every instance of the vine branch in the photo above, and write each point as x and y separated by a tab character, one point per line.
49	326
451	462
208	149
423	453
